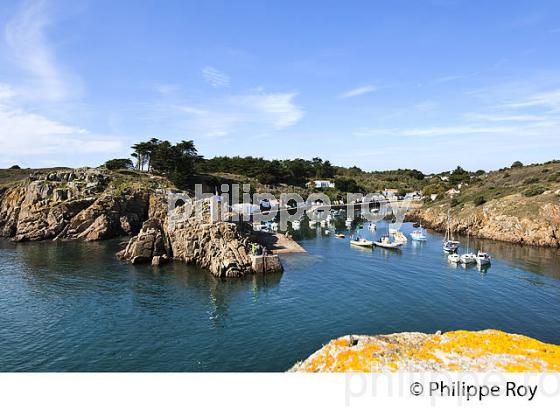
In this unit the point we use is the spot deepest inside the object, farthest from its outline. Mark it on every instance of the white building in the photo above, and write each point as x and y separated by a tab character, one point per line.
323	184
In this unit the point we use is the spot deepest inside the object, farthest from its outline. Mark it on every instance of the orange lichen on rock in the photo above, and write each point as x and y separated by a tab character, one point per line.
487	350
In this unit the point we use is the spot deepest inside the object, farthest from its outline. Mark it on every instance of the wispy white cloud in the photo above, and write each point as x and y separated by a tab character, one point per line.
366	89
28	47
503	117
548	99
262	112
215	77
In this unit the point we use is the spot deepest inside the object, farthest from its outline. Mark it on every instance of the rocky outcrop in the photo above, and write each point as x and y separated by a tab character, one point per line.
220	247
85	204
517	219
150	245
70	205
461	351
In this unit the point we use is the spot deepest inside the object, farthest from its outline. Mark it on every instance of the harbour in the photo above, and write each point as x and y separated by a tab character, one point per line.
72	306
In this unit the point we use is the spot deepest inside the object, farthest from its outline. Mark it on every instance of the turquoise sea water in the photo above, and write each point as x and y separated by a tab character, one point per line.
71	306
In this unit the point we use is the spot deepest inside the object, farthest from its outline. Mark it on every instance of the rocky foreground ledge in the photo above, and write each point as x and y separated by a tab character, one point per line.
483	351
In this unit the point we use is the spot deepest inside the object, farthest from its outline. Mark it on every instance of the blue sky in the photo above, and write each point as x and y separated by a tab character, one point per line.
377	84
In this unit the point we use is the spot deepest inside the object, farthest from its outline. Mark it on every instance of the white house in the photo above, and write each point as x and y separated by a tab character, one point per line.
452	192
323	184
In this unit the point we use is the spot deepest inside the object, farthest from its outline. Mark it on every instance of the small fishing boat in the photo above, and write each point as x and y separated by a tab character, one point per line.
339	235
453	258
296	225
385	242
483	258
361	242
400	237
418	235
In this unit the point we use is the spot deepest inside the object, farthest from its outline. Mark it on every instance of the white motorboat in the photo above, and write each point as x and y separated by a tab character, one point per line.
453	258
483	258
418	235
385	242
296	225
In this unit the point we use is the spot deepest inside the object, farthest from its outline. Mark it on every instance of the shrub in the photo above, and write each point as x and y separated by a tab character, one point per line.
119	163
534	191
15	167
531	180
506	174
517	164
545	170
479	200
454	202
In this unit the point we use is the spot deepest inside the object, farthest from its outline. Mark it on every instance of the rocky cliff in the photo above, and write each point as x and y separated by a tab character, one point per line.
89	204
483	351
514	218
70	204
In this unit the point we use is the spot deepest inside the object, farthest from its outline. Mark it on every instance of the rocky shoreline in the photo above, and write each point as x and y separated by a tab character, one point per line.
515	218
458	351
85	204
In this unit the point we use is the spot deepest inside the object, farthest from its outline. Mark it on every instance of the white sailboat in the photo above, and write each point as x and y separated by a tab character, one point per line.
483	258
453	258
468	258
449	244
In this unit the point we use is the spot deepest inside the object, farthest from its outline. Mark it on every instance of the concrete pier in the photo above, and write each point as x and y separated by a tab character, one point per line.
266	264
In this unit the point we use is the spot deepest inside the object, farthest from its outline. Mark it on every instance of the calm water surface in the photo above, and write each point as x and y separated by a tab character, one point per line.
73	307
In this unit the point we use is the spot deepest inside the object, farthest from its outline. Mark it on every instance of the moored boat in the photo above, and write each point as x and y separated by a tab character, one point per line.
467	258
449	244
385	242
400	237
361	242
418	235
453	258
339	235
483	258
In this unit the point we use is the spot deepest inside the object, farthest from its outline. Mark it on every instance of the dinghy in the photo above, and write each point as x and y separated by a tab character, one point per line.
361	242
339	235
385	242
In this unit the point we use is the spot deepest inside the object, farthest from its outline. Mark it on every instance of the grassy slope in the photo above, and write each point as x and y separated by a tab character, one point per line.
508	186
